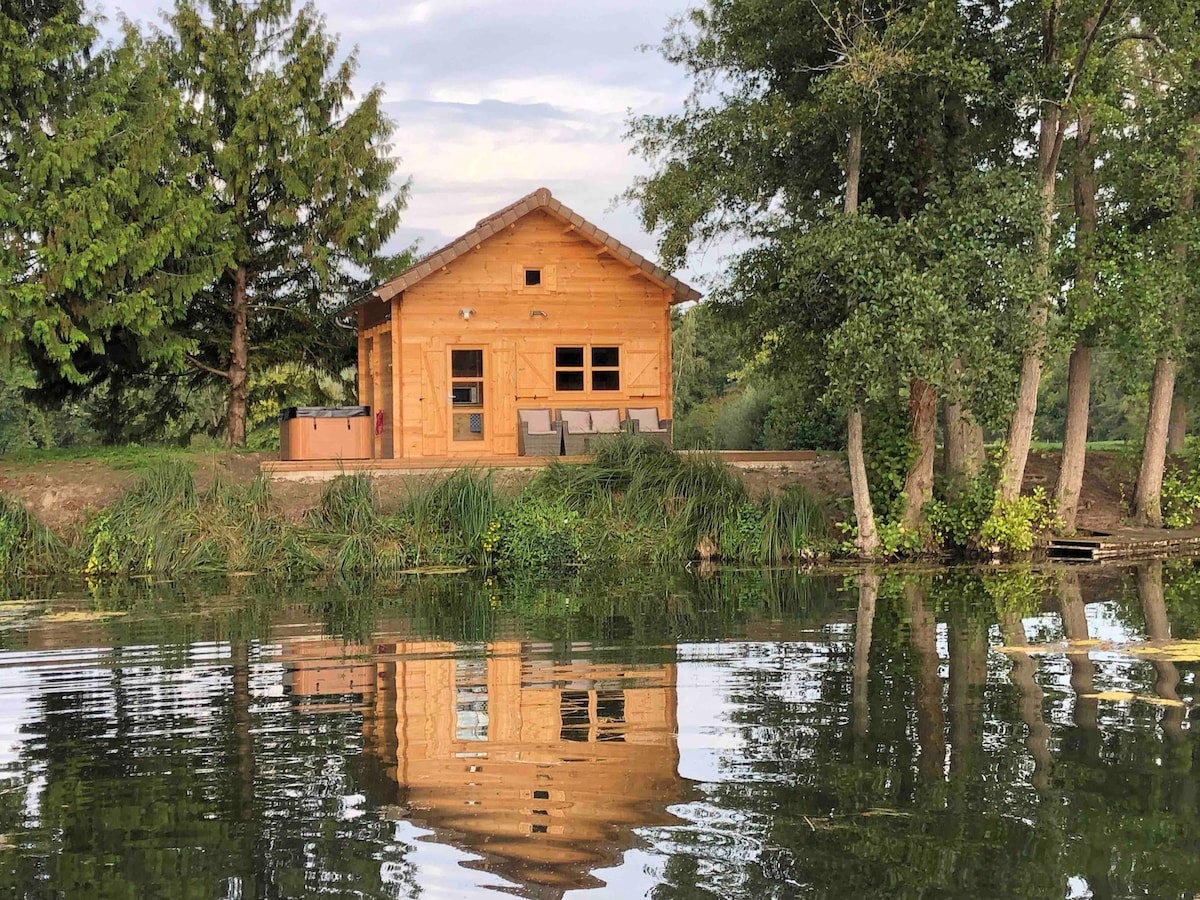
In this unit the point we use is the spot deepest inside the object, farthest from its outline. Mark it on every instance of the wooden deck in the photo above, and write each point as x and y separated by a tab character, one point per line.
1124	543
325	469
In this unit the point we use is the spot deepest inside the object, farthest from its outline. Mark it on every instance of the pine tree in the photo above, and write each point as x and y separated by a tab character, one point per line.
103	239
299	175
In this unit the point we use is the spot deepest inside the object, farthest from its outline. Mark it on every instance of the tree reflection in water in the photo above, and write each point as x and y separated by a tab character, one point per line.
742	735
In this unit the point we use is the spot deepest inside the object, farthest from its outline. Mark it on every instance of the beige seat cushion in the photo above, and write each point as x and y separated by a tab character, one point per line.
578	421
538	420
647	419
606	421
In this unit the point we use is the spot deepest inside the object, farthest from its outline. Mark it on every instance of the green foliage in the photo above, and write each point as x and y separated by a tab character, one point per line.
794	525
896	541
272	389
1181	494
447	523
105	241
1015	525
536	533
956	517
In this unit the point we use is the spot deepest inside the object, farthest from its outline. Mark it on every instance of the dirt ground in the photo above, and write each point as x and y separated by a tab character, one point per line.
62	492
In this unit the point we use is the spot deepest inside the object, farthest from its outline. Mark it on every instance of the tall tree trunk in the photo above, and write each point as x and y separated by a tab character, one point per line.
1147	499
918	484
1177	430
1079	373
235	435
963	447
864	512
1020	429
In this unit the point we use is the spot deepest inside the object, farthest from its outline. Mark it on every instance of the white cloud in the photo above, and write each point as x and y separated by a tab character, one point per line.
348	18
559	90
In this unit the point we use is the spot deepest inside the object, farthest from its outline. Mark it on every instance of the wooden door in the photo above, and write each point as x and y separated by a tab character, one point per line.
469	401
503	383
433	403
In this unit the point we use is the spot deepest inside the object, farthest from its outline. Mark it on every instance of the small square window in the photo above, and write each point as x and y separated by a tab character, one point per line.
568	381
568	357
606	357
606	380
533	277
466	363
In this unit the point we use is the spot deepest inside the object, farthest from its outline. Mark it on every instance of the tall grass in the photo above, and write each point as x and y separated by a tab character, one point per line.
635	502
165	525
445	522
27	547
678	506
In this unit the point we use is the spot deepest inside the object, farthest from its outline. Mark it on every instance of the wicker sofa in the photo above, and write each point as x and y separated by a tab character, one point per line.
645	421
581	427
538	434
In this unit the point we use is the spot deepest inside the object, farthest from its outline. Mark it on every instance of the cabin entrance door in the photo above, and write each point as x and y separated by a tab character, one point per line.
468	398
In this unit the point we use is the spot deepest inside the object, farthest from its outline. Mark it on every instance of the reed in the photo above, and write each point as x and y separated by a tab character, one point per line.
636	502
27	547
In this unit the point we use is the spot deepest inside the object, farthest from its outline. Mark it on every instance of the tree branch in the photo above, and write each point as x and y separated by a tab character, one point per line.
207	368
1081	58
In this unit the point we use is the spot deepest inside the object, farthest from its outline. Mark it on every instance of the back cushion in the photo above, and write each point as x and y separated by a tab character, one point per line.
647	419
538	420
576	420
607	421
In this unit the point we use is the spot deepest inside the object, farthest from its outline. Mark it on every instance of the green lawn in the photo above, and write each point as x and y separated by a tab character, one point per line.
129	458
1092	445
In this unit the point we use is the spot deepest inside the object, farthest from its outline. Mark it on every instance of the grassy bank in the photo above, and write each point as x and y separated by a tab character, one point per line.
635	503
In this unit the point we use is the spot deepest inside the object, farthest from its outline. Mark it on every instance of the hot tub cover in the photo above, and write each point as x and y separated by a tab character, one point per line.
324	412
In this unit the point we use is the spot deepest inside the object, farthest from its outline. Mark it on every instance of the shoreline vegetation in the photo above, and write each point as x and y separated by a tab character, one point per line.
636	504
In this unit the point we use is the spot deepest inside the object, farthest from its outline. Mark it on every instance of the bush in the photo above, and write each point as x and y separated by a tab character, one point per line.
957	517
1014	525
536	533
1180	496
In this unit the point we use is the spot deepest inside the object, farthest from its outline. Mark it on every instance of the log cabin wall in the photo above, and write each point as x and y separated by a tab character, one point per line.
481	306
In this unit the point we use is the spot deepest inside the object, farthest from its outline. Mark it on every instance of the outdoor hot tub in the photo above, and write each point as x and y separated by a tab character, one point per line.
325	432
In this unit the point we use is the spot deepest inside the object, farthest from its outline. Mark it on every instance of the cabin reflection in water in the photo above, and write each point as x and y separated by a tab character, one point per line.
543	768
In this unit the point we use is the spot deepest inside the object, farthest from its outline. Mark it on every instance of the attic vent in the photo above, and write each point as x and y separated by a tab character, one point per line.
533	277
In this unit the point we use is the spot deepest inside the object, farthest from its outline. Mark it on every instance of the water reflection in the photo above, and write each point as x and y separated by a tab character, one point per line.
999	734
541	767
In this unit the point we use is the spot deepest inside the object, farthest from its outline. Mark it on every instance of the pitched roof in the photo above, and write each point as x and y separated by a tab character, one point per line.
498	221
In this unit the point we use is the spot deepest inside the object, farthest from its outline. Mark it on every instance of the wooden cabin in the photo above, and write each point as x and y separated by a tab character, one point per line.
533	308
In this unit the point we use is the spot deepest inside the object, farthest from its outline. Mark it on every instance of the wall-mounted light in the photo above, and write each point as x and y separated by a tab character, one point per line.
466	313
538	312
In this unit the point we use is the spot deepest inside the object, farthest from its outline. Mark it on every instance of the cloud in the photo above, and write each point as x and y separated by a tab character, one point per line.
348	18
493	99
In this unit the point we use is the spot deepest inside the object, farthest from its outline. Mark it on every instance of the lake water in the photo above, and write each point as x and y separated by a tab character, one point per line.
955	734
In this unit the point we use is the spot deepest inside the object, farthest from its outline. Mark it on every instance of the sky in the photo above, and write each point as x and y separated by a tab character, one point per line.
495	98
